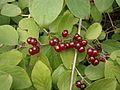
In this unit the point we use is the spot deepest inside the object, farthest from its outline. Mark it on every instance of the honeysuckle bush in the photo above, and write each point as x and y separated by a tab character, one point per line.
97	21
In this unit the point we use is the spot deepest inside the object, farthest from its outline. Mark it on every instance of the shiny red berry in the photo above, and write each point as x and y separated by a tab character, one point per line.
77	37
52	43
77	45
78	83
101	59
65	33
95	52
84	42
91	59
67	45
96	62
56	40
72	44
57	48
81	50
34	50
32	41
62	46
90	51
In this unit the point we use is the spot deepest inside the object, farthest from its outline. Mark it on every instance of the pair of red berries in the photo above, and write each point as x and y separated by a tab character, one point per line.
77	43
35	46
80	84
93	53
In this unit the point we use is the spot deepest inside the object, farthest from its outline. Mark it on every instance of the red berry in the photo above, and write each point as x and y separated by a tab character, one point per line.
32	41
77	45
81	49
78	83
90	51
67	45
62	46
91	59
57	48
82	86
65	33
84	42
77	37
34	50
52	43
72	44
101	59
95	52
96	62
56	40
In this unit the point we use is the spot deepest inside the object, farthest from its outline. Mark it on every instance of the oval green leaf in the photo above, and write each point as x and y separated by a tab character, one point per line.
10	10
93	31
45	11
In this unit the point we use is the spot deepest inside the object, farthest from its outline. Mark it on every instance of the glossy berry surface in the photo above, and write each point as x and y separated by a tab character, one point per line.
32	41
90	51
95	52
77	45
65	33
57	48
96	62
67	45
101	59
77	37
78	83
72	44
52	43
62	46
81	50
34	50
84	42
91	59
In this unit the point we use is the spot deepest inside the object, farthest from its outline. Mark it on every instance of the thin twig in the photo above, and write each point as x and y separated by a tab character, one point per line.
82	77
75	58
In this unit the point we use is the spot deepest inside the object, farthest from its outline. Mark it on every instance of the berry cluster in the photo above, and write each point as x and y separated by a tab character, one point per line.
80	84
77	42
35	46
93	56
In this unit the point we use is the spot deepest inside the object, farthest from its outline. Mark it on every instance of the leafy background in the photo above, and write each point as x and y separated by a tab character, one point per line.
49	70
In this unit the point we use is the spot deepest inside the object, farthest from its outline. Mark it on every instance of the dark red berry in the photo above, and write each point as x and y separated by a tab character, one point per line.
90	51
65	33
62	46
32	41
96	62
82	86
34	50
101	59
84	42
57	48
91	59
67	45
77	37
95	52
72	44
81	49
52	43
56	40
78	83
77	45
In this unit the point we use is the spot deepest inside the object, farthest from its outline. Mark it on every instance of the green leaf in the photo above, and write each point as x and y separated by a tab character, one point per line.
10	10
110	45
102	36
96	15
12	57
118	2
29	25
63	22
20	77
103	5
41	76
57	73
67	57
11	33
103	84
44	17
95	72
116	36
94	31
5	81
4	20
23	3
112	71
79	8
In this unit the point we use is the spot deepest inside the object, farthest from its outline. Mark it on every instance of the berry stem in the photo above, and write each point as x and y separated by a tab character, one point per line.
75	58
82	76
